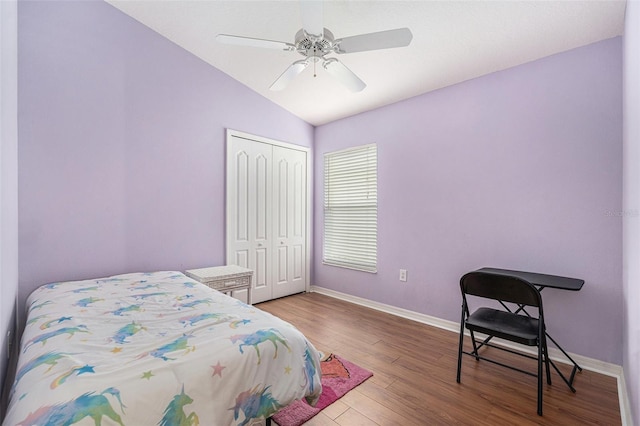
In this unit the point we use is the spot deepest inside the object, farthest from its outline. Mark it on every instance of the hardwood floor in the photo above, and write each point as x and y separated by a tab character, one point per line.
414	367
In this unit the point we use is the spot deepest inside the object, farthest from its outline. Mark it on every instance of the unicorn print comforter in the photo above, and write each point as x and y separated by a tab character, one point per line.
155	349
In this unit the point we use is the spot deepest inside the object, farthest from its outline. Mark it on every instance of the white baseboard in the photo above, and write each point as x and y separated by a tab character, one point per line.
586	363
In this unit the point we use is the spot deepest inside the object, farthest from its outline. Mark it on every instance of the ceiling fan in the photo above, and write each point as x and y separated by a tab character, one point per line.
314	42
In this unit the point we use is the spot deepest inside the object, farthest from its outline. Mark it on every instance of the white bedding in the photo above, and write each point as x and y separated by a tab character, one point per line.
155	349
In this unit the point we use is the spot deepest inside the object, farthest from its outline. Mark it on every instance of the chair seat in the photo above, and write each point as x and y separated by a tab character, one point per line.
506	325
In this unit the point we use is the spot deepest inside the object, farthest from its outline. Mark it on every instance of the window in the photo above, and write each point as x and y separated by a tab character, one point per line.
351	208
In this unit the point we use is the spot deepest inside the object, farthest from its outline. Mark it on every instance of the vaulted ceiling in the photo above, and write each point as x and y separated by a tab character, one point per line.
453	41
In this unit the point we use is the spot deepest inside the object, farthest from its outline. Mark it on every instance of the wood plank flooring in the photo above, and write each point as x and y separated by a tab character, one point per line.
414	367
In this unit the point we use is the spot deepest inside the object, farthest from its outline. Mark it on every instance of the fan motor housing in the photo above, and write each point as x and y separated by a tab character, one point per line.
314	47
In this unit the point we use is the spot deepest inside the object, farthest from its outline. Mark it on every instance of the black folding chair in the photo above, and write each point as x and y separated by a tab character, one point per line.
523	329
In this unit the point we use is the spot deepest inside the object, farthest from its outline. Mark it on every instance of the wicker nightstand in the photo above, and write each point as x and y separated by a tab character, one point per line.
224	278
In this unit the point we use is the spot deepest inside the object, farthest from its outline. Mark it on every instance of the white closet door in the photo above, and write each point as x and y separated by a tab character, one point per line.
289	221
268	214
249	218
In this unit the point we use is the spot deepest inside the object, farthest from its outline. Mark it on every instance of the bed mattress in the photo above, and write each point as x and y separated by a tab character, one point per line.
155	349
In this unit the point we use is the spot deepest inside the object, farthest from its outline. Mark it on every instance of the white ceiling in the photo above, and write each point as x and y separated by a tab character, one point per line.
453	41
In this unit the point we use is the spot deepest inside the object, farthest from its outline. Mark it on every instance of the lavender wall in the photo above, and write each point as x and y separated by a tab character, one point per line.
631	225
122	142
8	179
520	169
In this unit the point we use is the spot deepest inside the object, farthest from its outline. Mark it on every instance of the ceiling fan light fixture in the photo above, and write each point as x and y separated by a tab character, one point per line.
289	74
344	75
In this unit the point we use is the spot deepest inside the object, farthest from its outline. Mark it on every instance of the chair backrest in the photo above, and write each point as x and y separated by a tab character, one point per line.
500	287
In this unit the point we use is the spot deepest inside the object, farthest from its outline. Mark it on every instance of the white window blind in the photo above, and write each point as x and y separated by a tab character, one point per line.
351	208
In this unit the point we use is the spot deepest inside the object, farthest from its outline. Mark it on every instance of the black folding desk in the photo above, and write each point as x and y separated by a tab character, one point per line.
541	281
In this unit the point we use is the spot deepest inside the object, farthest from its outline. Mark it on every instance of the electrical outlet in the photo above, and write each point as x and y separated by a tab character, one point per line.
403	275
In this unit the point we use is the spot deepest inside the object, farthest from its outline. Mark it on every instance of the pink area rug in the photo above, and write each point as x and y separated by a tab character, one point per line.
339	376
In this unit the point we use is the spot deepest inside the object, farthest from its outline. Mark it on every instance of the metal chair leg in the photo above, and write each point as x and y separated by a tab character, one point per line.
475	346
541	354
546	360
460	346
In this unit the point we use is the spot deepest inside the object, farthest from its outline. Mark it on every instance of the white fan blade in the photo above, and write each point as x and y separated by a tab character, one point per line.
289	74
400	37
254	42
338	70
311	12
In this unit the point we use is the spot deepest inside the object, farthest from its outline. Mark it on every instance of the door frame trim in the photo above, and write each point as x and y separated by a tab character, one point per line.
309	219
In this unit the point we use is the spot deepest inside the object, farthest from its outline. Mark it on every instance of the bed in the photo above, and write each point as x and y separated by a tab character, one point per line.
155	349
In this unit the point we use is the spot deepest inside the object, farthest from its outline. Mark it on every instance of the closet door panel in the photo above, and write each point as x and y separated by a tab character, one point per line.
262	198
298	262
282	276
260	280
249	203
290	219
241	194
